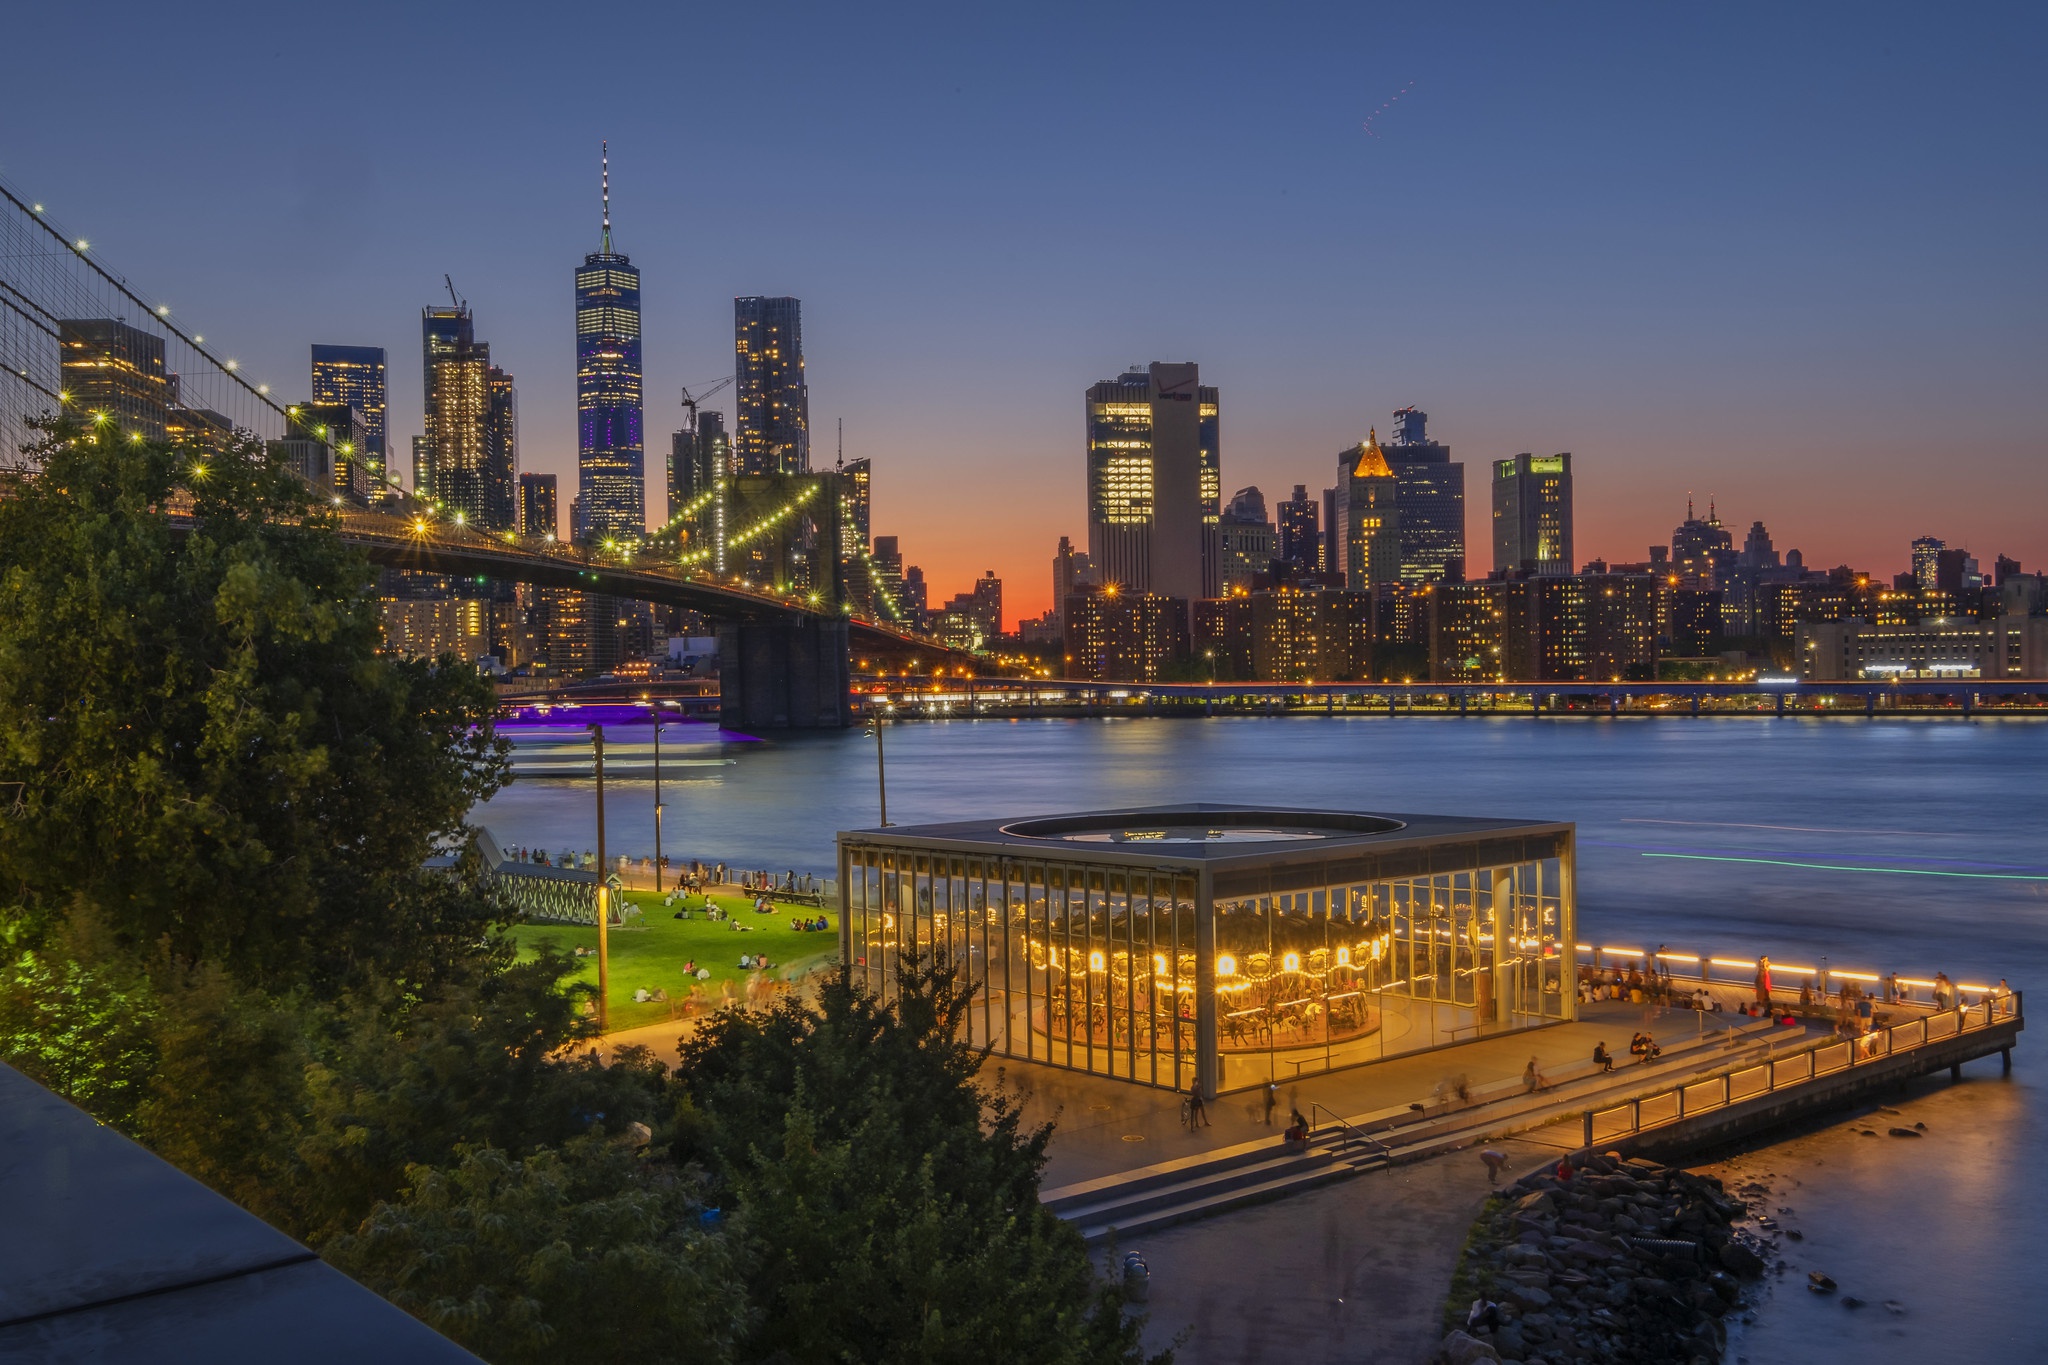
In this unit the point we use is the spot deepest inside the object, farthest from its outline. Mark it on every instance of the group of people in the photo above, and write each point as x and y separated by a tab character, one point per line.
810	926
1633	985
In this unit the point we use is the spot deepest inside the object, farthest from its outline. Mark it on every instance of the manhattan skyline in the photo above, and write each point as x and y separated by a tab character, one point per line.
1757	257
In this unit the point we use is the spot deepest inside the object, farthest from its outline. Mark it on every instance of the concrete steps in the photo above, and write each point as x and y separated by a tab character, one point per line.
1192	1187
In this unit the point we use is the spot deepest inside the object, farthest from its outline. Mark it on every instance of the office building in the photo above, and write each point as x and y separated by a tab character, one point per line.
1702	550
201	427
856	527
537	508
499	498
913	603
1544	628
112	368
341	428
1070	569
1532	514
1332	565
1247	542
1927	560
353	376
610	456
1430	493
2014	645
772	430
699	456
1115	635
1152	442
1299	521
1368	516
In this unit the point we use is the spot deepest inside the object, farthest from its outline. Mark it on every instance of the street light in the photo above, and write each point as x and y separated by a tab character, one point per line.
657	793
881	768
604	961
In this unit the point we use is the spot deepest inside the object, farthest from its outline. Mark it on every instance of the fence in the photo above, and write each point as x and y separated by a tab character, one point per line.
1737	973
1688	1099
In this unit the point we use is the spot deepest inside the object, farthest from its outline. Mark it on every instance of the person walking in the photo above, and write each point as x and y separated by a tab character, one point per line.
1272	1100
1763	985
1198	1110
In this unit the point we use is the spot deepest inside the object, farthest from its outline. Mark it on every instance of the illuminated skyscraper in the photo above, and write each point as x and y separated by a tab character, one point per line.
353	376
610	461
856	527
499	510
773	434
116	369
1431	495
1154	482
1532	513
1368	516
445	334
1300	538
537	511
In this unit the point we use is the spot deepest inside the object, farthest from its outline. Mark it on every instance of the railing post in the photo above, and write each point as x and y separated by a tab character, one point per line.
1636	1114
1727	1087
1589	1128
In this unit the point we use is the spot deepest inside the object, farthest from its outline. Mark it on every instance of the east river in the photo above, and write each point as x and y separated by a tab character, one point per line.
1913	846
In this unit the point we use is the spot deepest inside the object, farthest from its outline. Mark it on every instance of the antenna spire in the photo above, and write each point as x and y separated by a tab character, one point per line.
604	162
841	462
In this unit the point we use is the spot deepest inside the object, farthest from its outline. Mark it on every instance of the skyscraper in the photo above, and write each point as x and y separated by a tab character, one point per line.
1152	440
499	501
1368	515
610	461
1532	513
1300	539
773	425
856	527
1071	569
698	457
1927	561
116	369
445	334
1430	491
458	417
353	376
537	510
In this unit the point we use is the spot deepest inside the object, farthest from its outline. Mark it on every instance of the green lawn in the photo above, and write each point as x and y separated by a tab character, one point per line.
654	955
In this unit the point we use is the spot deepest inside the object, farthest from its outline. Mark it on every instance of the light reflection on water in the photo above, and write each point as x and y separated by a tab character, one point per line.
1795	801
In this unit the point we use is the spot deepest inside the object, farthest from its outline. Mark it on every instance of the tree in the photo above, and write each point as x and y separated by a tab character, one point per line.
890	1203
198	734
585	1253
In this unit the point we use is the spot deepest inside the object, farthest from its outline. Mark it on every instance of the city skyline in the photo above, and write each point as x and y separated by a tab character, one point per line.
1675	299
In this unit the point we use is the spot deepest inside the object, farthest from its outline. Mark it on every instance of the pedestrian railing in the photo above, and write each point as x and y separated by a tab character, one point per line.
1736	973
1690	1098
1351	1136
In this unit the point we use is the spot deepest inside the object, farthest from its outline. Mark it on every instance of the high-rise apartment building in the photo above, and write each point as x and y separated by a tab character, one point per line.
773	427
1532	514
1118	636
353	376
1368	516
445	334
1301	541
1153	438
1430	492
537	509
611	476
458	415
112	368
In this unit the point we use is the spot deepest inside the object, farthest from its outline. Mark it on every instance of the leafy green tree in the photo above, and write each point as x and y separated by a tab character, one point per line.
585	1253
890	1202
198	735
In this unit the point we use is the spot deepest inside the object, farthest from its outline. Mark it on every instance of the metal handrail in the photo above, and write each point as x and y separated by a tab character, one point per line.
1809	1061
1355	1133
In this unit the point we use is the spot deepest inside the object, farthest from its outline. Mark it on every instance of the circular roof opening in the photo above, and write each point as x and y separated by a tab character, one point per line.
1202	827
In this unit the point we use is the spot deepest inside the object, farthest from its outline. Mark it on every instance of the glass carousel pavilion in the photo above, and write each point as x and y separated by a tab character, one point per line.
1223	946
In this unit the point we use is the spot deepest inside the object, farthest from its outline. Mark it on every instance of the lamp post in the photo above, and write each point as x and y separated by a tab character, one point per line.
604	961
657	796
881	768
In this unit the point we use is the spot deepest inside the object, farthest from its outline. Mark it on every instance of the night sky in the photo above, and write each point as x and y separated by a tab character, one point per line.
1789	256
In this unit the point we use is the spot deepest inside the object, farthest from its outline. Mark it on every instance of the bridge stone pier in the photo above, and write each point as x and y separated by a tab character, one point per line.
783	675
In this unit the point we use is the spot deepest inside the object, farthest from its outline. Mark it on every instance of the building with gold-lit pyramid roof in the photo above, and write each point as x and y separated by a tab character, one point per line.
1368	516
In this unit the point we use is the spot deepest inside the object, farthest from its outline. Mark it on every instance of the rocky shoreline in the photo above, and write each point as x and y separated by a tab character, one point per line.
1621	1260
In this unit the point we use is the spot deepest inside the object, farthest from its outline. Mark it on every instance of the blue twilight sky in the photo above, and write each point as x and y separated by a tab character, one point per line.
1791	256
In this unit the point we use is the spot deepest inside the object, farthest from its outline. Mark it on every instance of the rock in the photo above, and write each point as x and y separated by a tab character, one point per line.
1527	1297
1509	1340
1590	1251
1796	1235
1740	1260
1539	1203
1895	1308
1460	1349
1904	1132
1851	1301
1819	1283
1921	1126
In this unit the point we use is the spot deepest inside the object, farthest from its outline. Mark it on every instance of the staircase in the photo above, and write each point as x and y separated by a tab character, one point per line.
1179	1191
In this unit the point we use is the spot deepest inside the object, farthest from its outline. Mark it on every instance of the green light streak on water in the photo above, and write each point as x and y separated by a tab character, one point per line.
1844	867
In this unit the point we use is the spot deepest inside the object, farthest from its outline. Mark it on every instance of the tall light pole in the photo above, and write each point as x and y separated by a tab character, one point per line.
881	768
657	798
604	960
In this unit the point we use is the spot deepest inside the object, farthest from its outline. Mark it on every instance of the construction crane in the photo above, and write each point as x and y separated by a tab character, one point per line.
461	305
691	400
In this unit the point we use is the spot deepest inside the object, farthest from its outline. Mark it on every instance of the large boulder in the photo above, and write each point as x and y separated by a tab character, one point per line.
1460	1349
